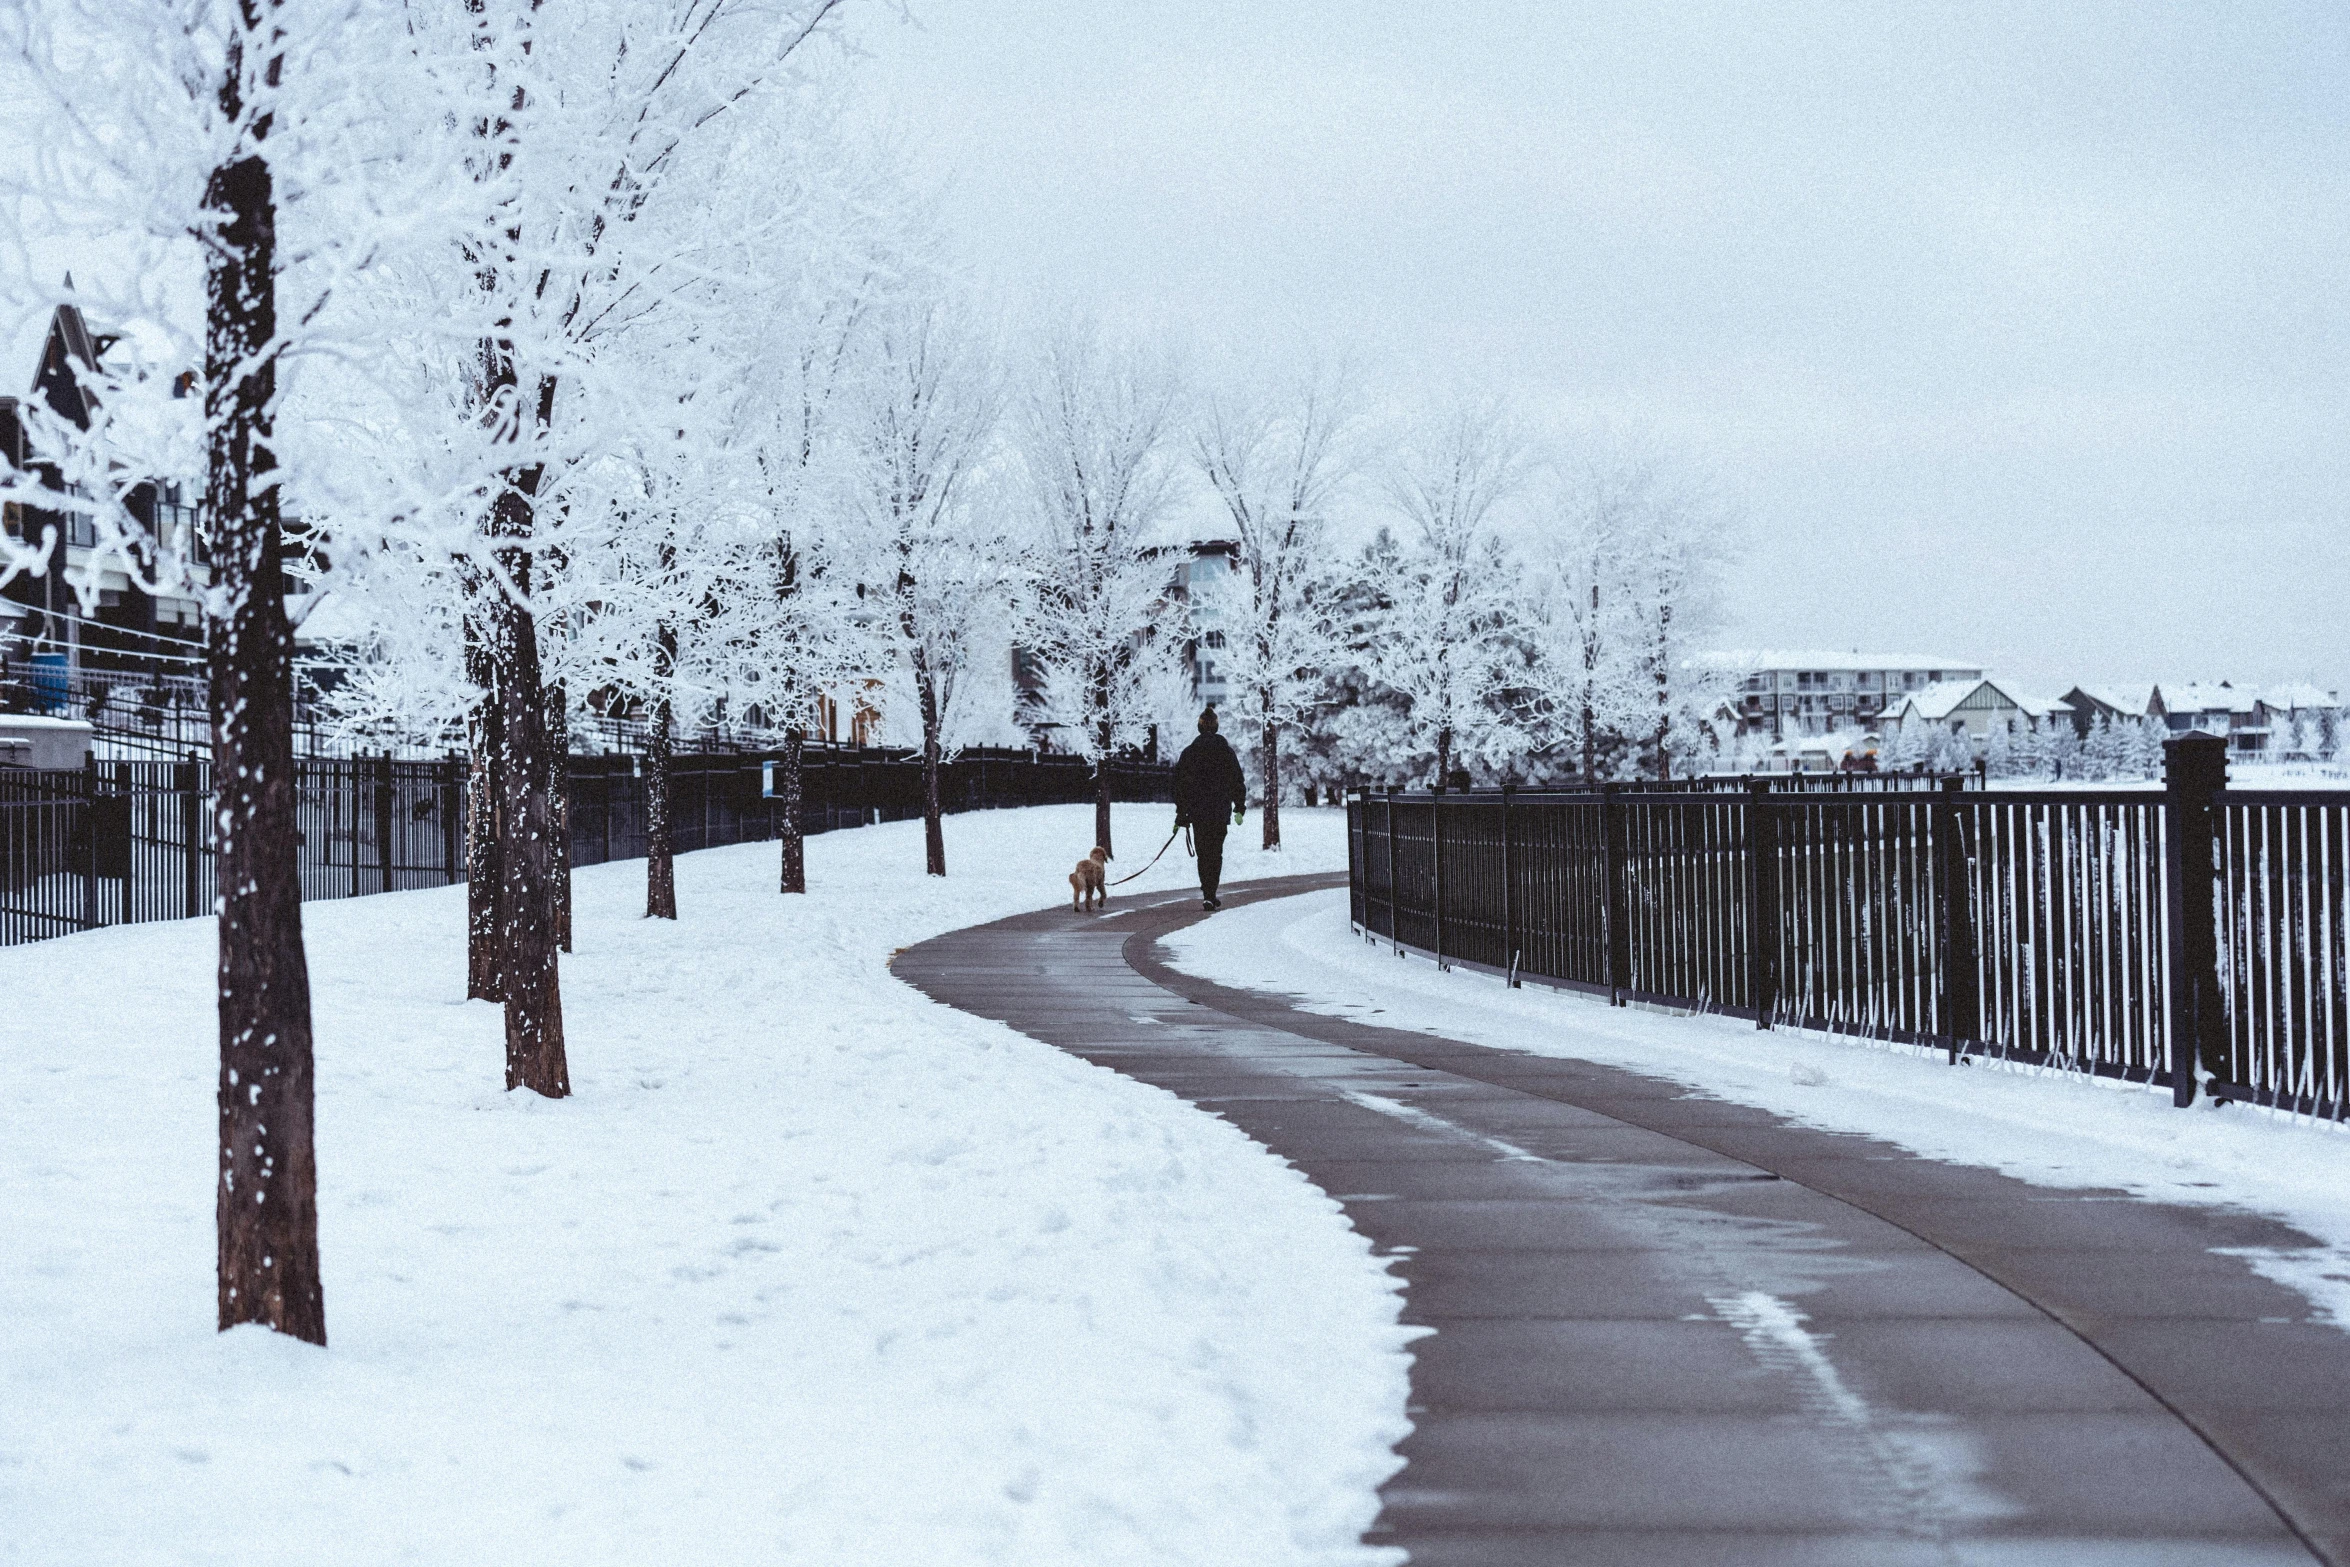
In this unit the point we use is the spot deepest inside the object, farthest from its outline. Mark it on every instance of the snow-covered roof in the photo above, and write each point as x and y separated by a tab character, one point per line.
2034	705
2130	700
23	349
1814	658
1942	698
41	721
1937	700
2204	696
2301	694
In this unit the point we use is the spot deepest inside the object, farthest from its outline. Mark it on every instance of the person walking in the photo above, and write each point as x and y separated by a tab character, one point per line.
1208	783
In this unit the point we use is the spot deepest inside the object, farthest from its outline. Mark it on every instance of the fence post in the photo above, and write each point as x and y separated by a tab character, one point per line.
383	816
1394	926
90	830
1436	863
1958	999
1509	892
1762	900
185	778
2195	767
1615	923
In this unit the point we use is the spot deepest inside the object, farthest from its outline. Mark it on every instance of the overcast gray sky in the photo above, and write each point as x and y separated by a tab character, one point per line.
2020	329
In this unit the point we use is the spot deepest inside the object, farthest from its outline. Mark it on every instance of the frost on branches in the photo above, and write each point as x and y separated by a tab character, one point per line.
1276	460
1095	426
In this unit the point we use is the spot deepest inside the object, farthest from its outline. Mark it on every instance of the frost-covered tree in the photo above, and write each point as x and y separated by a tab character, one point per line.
1443	643
938	575
655	528
621	163
2058	745
1577	608
1906	748
791	630
1679	552
2003	755
1358	730
2102	754
213	149
1950	750
1275	460
1095	426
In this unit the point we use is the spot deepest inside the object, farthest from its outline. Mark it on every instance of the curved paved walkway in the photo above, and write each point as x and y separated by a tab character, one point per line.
1671	1330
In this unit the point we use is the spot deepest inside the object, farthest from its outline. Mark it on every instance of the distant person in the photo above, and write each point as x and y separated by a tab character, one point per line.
1207	784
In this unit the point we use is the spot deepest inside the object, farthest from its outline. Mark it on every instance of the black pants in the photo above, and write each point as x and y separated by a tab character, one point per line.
1207	838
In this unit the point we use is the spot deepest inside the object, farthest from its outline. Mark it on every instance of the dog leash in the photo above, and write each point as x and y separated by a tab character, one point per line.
1185	829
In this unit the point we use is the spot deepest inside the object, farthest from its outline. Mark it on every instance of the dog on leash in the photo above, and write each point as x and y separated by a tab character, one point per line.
1089	882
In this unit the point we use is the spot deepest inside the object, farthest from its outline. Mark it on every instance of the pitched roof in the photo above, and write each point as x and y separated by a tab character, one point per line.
2301	694
2130	701
1943	698
1938	700
2204	696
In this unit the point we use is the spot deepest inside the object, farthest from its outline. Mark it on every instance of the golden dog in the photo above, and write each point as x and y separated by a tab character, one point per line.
1089	882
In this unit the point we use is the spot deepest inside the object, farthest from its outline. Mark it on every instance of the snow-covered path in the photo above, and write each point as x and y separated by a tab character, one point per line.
810	1269
1671	1328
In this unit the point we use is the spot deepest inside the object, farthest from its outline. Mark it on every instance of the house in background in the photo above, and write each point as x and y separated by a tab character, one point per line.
2212	707
2114	704
131	656
128	628
1785	694
1975	708
2304	721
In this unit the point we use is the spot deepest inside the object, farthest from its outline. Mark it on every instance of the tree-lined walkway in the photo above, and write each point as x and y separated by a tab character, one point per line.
1673	1330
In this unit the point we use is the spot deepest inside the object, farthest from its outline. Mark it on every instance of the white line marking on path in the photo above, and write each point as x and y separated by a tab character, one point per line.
1412	1115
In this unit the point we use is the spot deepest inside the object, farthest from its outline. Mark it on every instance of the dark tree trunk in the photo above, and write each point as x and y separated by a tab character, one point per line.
1591	690
529	964
267	1199
559	805
529	970
483	877
660	856
1443	754
530	977
1101	803
1103	733
1270	807
934	838
1664	691
787	816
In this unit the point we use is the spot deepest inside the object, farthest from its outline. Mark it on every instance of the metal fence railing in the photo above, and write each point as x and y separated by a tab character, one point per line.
126	842
2193	935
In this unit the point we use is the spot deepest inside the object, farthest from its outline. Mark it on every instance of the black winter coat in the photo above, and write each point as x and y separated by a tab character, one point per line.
1208	782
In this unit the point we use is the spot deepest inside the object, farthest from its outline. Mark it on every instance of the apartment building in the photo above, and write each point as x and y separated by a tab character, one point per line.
1787	693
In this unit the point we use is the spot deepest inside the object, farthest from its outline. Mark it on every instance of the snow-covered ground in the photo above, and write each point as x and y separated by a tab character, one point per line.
2053	1128
809	1269
2241	775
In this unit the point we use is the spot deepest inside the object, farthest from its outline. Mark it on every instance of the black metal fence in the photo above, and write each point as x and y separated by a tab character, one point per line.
2195	932
122	843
